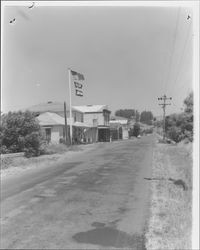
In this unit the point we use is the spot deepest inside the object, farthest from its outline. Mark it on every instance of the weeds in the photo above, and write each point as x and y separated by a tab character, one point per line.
171	214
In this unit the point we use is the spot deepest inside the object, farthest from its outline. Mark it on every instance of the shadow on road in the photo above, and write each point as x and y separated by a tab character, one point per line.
111	237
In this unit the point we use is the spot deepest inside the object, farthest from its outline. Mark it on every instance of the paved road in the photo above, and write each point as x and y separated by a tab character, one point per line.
96	200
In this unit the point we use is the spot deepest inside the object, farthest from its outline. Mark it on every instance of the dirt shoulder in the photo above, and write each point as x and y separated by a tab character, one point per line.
170	222
15	166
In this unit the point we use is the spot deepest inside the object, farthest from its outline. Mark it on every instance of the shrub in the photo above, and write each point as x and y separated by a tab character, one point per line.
20	132
32	143
175	134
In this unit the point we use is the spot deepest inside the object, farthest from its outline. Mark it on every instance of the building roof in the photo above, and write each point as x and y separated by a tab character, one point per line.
91	108
52	119
48	107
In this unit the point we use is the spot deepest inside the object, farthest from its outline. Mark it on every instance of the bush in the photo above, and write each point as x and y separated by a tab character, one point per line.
32	144
20	132
4	150
175	134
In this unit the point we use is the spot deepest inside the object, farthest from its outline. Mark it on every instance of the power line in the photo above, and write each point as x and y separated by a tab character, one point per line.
182	55
172	52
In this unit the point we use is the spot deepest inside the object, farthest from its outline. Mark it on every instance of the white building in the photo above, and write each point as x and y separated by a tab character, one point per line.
53	128
97	116
51	118
121	122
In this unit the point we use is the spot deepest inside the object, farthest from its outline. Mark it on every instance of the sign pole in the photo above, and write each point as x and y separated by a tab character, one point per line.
70	106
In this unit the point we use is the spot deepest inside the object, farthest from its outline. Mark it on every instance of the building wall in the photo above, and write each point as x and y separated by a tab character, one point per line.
78	117
97	119
125	133
93	119
56	133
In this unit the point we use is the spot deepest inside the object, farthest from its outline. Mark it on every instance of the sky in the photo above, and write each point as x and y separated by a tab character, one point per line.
129	55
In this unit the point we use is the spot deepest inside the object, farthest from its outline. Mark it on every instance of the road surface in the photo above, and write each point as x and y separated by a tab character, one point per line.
94	200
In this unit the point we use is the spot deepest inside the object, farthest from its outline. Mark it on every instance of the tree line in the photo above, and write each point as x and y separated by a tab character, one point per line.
144	117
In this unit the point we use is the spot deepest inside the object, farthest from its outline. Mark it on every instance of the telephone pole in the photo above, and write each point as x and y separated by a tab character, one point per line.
66	129
164	104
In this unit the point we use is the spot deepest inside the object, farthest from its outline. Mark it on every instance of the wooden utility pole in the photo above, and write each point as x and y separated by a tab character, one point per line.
70	107
66	130
164	104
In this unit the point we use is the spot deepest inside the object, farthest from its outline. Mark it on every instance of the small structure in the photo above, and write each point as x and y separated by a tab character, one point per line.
121	124
115	131
97	116
52	126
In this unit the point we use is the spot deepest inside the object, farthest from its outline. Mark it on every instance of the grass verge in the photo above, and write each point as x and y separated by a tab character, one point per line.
170	222
11	166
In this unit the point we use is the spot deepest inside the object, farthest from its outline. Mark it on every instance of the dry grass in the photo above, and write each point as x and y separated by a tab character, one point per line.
56	149
11	166
51	153
171	206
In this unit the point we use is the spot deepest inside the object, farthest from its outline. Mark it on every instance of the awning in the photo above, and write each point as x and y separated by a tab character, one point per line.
81	125
103	127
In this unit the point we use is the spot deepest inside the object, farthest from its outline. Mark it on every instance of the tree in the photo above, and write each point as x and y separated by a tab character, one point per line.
188	102
180	126
136	129
127	113
20	132
137	116
146	117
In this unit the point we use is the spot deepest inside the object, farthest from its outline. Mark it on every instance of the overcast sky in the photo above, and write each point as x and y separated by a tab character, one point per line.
129	56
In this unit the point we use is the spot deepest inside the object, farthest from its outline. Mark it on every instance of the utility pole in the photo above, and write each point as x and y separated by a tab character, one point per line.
70	107
66	129
164	104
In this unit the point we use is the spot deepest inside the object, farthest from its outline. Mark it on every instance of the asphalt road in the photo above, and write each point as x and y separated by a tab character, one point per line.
94	200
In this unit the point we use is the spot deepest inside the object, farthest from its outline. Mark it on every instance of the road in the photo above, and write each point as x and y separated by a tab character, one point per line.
94	200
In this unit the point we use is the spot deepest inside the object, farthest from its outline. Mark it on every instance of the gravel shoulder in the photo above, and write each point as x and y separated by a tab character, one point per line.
170	222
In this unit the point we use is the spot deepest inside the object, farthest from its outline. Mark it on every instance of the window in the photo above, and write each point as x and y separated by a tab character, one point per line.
95	122
48	134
